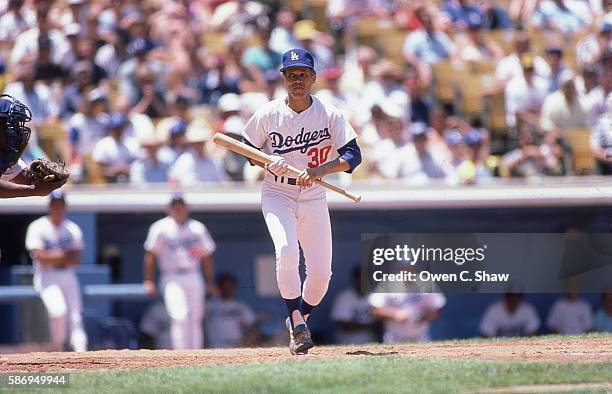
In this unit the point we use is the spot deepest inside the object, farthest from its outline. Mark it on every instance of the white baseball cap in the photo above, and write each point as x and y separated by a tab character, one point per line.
229	102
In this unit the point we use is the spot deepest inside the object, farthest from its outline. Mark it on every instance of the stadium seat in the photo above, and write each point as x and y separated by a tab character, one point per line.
583	161
52	139
93	171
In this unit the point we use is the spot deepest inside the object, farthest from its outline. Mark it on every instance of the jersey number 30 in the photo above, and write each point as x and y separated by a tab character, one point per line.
318	156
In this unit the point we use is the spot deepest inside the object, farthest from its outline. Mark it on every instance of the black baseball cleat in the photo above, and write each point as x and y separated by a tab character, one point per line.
300	340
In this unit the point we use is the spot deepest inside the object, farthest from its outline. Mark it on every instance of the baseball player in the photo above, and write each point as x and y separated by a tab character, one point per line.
181	245
55	244
308	133
14	137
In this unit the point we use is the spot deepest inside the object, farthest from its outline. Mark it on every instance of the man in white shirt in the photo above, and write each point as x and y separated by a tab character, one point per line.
525	94
181	247
351	314
115	153
407	312
510	67
510	317
230	322
570	315
55	244
196	166
564	109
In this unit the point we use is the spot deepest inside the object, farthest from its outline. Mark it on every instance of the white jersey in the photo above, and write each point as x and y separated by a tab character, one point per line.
306	139
43	235
13	171
179	248
416	304
227	322
499	322
570	317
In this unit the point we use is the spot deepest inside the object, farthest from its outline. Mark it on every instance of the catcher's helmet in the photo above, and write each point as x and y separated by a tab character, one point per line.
13	115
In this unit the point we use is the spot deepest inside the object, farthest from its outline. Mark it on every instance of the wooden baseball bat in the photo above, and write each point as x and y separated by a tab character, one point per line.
252	153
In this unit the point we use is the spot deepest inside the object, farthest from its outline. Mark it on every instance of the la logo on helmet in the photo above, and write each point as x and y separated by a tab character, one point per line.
294	56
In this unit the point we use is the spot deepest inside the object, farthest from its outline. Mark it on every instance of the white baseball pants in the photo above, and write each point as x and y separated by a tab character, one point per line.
61	294
184	300
299	217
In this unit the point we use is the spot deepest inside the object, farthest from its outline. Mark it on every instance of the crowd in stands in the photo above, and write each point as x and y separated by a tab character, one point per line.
132	91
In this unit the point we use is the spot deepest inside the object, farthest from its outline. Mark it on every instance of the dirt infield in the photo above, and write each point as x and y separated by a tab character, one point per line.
540	350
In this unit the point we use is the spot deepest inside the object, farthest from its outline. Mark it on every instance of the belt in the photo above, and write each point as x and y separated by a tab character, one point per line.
288	181
282	179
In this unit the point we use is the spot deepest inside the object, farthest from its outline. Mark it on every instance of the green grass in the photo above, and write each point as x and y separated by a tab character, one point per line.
391	374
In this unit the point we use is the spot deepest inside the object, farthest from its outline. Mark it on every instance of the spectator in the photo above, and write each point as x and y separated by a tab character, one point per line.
510	317
85	129
44	69
426	46
149	98
564	109
262	58
495	16
462	13
509	67
562	16
235	14
26	43
15	21
217	80
531	159
314	42
351	314
72	96
386	87
422	163
230	323
570	315
36	96
590	48
554	58
458	154
474	47
282	37
601	95
139	52
474	169
151	166
179	112
176	142
420	104
603	317
85	51
195	166
115	153
601	144
407	315
525	95
55	244
335	95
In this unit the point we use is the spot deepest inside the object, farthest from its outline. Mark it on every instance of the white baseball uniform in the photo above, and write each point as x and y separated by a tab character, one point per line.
293	214
179	250
59	287
416	304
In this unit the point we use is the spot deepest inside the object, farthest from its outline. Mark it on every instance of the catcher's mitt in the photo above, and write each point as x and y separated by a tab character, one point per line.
42	167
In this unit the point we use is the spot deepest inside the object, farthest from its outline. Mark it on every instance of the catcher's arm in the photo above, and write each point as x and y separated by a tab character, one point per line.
12	189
